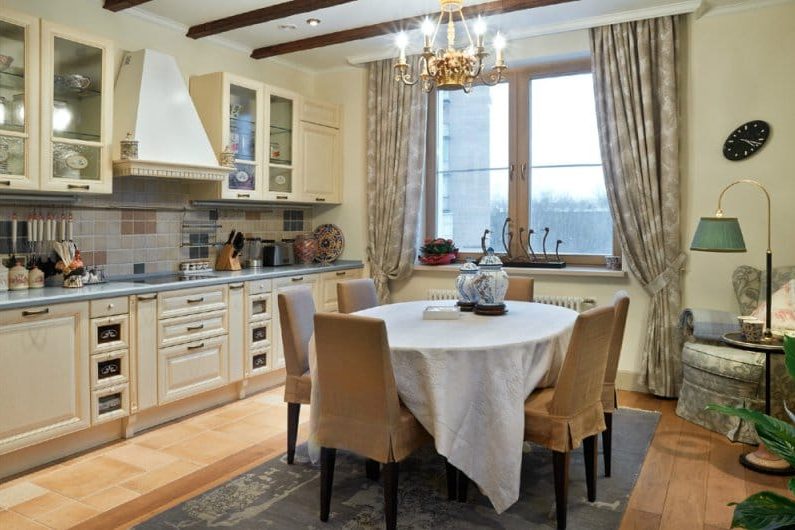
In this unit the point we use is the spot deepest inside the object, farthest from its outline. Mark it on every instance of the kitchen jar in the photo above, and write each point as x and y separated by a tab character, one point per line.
465	286
491	284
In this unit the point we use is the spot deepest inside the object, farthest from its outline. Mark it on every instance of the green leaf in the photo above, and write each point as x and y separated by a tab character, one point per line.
764	511
791	485
778	436
789	355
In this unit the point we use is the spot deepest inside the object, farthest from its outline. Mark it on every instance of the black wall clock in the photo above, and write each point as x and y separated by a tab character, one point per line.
746	140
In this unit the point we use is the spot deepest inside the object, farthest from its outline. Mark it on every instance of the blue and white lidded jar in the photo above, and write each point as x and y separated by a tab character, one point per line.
465	285
491	284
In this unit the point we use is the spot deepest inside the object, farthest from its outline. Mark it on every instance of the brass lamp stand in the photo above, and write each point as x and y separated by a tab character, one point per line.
723	234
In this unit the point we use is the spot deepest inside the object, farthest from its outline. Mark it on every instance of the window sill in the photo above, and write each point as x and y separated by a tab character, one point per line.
571	270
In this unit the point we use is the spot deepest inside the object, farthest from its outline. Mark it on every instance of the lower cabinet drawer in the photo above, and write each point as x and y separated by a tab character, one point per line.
110	403
259	362
110	333
259	335
110	369
175	331
192	368
191	301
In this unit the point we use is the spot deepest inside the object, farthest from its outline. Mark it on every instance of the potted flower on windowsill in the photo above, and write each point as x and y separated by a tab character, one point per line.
438	251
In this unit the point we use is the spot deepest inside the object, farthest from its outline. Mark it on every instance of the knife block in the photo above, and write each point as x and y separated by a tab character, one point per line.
225	261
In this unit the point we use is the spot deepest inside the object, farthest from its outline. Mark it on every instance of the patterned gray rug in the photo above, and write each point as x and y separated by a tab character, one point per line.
277	496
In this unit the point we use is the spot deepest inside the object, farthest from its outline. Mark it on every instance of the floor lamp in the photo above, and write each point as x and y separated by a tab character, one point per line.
723	234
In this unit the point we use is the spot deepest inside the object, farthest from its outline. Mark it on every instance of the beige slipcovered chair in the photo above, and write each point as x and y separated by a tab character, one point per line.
358	405
520	289
355	295
609	395
570	414
296	313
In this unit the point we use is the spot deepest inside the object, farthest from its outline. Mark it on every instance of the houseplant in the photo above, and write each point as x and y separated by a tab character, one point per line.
438	251
767	510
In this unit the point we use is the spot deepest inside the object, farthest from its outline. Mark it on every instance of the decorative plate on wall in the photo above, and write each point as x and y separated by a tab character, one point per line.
330	243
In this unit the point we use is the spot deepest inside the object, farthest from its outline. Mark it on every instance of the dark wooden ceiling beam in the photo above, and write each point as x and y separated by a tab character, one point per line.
258	16
119	5
487	9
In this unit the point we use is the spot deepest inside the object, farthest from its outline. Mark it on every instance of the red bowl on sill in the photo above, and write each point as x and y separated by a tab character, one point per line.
439	259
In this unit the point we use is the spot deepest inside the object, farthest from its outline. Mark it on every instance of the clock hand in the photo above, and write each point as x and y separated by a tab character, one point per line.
751	142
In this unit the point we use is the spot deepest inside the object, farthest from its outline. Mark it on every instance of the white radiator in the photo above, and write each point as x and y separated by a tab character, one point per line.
577	303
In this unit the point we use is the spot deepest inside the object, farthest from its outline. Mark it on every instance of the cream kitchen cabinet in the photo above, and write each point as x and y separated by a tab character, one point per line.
321	163
76	111
237	331
232	112
19	102
191	368
328	287
259	327
284	171
44	373
143	309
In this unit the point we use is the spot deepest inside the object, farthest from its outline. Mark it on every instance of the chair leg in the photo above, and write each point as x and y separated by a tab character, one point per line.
327	459
373	469
462	486
452	480
591	457
560	464
607	442
390	494
293	413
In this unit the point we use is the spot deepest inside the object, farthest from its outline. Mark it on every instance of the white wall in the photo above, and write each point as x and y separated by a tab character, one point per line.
131	33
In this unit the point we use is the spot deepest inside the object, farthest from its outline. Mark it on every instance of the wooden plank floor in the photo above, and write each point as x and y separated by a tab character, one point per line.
688	477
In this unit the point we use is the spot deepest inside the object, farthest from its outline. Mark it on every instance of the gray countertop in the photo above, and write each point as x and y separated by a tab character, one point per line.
128	286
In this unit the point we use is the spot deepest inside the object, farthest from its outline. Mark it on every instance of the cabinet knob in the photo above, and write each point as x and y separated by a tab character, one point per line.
110	306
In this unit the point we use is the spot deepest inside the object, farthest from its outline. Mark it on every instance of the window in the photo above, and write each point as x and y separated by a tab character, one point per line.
527	149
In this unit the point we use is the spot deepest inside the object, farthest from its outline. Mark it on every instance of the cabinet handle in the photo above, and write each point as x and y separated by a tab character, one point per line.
78	187
297	279
238	286
143	298
195	300
341	273
30	313
194	328
320	199
281	197
5	182
196	346
243	195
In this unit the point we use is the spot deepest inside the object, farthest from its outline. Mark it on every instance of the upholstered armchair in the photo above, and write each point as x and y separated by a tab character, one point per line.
716	373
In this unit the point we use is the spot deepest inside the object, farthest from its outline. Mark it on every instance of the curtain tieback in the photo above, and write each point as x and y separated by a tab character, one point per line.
664	278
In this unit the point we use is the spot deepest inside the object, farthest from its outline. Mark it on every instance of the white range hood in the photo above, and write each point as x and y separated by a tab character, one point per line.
152	102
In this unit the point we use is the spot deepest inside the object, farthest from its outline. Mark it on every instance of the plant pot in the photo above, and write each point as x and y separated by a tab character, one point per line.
439	259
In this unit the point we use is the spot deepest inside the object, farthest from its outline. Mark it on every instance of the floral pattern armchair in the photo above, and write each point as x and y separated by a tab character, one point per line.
716	373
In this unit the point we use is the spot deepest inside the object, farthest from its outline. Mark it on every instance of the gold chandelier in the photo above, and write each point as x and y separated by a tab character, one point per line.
451	68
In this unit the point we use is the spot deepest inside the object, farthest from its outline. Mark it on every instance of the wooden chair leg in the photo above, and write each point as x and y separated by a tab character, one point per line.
390	494
327	459
373	469
462	486
560	465
591	458
452	481
293	413
607	442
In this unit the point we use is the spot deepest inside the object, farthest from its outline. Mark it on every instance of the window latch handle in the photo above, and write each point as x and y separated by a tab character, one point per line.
524	170
511	169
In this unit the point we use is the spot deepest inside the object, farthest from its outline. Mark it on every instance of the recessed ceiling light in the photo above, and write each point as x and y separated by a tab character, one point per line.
287	27
313	21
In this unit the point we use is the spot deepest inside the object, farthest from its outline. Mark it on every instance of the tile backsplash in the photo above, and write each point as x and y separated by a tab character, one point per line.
140	227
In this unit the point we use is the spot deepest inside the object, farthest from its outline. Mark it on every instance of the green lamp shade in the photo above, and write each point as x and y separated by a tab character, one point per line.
718	234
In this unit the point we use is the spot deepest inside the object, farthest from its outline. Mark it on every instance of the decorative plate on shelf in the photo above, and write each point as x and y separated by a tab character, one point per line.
330	243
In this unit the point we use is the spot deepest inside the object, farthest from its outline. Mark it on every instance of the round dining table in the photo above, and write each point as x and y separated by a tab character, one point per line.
466	381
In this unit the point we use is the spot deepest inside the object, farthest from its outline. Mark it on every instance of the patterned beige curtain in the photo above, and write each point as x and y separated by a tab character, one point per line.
396	126
635	80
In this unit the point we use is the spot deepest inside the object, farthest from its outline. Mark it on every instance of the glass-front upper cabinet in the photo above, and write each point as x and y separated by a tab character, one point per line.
19	100
77	106
231	111
282	168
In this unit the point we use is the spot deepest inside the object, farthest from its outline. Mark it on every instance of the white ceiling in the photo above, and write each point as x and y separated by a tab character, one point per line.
579	14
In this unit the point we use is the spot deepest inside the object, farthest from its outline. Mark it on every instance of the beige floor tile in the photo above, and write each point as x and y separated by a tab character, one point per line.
244	429
208	420
206	447
160	477
110	498
19	493
270	398
14	521
68	516
91	476
240	409
167	435
41	505
141	456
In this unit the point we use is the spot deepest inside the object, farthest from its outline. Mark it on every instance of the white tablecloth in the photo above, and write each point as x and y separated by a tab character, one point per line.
466	381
